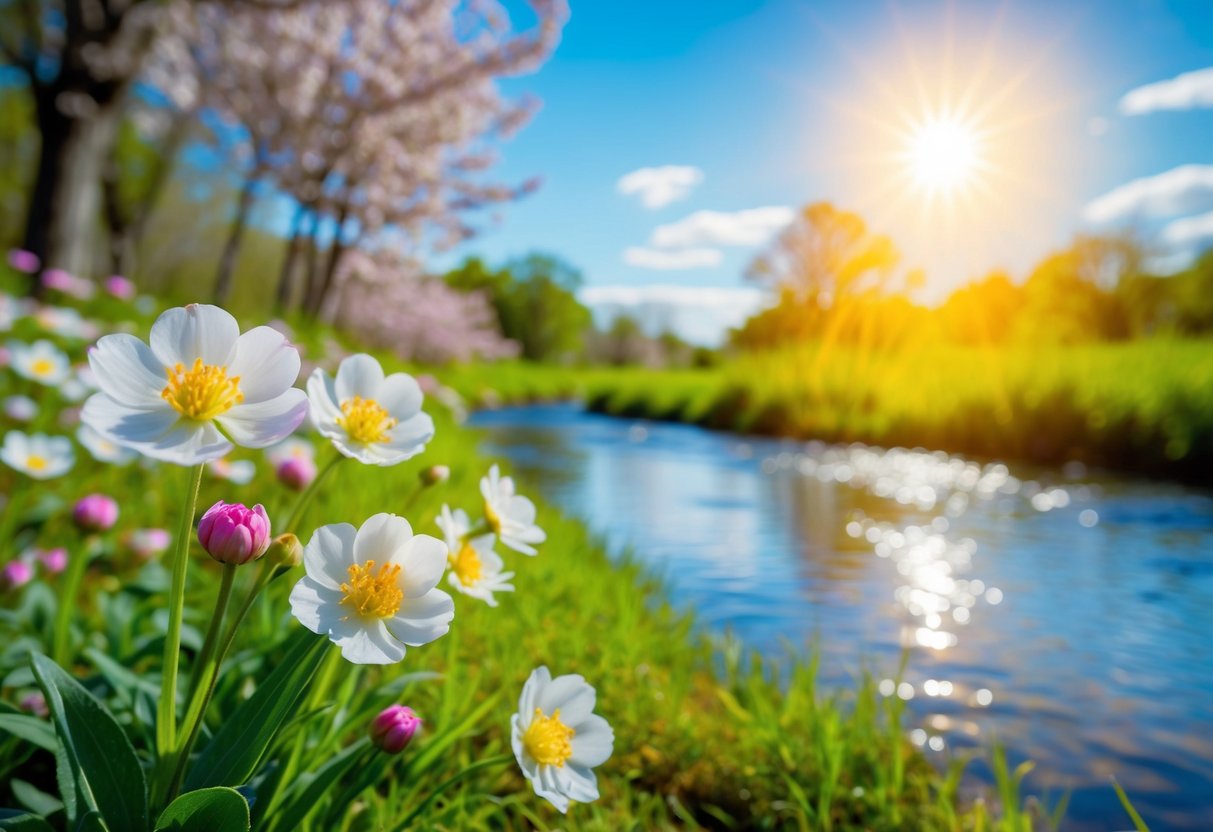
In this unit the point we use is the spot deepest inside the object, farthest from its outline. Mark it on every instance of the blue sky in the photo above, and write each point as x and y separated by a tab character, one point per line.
777	104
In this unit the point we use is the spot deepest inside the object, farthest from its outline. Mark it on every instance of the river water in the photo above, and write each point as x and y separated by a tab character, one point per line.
1066	615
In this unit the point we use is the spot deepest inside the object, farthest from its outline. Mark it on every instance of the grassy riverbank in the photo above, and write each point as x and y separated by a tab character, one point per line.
702	738
1144	406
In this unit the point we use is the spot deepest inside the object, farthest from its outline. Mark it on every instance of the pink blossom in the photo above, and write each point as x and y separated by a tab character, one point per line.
147	543
53	561
95	513
394	728
64	281
234	533
23	261
16	574
119	287
297	472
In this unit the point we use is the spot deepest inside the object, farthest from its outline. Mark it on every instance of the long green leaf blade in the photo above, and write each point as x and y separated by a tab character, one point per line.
103	764
206	810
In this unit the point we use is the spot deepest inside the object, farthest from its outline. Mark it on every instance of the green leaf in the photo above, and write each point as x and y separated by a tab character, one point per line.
92	822
101	766
31	729
236	749
18	820
206	810
34	799
1138	823
307	797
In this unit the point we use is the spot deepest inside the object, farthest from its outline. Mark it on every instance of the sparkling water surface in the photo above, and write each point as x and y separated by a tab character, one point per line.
1066	615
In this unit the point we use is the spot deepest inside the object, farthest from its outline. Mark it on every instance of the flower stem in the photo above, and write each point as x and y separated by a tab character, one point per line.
166	712
306	497
203	678
444	785
60	636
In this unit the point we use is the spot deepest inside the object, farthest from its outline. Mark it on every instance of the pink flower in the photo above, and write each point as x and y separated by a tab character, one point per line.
35	703
234	533
95	513
53	560
23	261
119	287
296	473
393	729
16	574
147	543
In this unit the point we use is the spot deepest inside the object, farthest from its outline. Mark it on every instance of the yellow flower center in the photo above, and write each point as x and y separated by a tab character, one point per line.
43	366
365	420
491	515
548	740
467	566
373	594
202	392
36	463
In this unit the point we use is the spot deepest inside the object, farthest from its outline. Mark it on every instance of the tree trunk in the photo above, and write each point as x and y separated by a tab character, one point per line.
323	286
63	220
282	298
231	249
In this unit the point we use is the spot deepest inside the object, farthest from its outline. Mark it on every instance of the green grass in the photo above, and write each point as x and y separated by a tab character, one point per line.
1144	406
704	735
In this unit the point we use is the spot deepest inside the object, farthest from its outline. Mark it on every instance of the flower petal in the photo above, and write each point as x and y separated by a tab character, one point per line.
422	620
266	423
593	741
322	396
328	556
571	695
266	363
580	783
370	644
127	370
400	395
185	333
310	601
381	538
358	375
539	679
422	560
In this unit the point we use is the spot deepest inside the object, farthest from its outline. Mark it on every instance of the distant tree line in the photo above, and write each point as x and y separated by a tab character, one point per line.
837	281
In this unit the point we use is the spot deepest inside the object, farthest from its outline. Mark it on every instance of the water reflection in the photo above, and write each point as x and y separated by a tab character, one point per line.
1068	617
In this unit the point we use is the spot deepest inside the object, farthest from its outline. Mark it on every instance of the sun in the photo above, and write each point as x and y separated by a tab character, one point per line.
943	155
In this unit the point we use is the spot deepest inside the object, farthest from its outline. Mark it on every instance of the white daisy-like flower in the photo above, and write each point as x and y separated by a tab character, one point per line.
558	740
290	448
373	590
475	569
510	515
40	361
39	456
199	375
239	471
374	419
102	449
65	322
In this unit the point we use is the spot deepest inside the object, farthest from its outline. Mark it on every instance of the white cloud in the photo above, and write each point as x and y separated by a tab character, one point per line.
1178	191
658	187
687	258
751	227
1189	232
1183	92
700	314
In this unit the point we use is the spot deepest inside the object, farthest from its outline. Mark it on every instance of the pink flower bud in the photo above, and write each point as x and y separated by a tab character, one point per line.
147	543
16	574
95	513
434	475
24	261
119	287
393	729
35	703
53	560
297	472
234	533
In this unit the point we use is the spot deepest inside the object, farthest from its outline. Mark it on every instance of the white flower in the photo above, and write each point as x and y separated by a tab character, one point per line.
240	471
510	515
557	738
39	456
475	567
373	590
102	449
169	401
20	408
65	322
290	448
368	417
40	361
